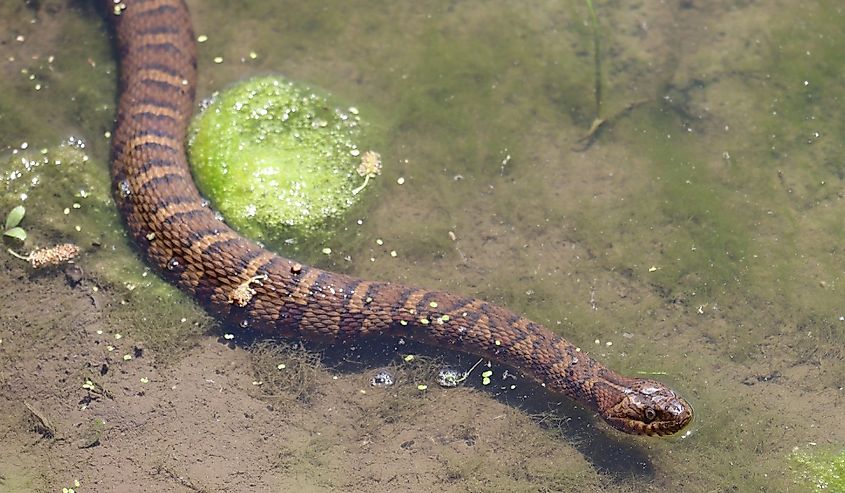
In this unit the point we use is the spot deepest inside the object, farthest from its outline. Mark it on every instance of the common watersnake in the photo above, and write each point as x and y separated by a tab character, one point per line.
243	284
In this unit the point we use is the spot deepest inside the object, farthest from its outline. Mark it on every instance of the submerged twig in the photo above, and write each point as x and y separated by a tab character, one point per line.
594	21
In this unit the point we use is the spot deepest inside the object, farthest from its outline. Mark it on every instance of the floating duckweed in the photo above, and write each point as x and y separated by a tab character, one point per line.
279	161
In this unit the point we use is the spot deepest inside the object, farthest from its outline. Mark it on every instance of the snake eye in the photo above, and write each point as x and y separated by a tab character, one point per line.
650	415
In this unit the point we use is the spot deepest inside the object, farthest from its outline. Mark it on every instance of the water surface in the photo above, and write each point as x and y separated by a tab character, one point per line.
696	238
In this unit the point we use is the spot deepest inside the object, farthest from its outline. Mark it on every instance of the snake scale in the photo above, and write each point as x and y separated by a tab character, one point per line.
179	234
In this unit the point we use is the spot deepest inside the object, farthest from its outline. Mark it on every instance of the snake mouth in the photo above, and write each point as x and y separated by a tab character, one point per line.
653	429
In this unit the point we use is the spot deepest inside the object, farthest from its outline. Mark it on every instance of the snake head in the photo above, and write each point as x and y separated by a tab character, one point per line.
649	408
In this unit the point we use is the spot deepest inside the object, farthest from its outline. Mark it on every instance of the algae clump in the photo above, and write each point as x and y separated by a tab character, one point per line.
278	161
823	471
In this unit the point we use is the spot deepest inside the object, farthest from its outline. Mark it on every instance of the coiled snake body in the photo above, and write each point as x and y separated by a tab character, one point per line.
179	234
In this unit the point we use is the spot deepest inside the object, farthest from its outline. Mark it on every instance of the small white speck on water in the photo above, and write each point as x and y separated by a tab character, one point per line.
202	38
125	188
400	180
218	59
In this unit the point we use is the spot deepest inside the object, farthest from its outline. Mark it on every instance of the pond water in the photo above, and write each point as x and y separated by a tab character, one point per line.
695	237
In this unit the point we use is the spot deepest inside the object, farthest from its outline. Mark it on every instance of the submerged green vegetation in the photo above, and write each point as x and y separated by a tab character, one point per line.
68	200
279	161
821	471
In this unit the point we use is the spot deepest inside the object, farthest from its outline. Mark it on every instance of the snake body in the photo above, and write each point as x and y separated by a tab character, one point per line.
179	234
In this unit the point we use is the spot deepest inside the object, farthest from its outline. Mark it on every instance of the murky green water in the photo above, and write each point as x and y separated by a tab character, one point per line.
698	238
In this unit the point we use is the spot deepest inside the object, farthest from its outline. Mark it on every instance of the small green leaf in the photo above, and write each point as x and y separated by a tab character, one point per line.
14	217
18	233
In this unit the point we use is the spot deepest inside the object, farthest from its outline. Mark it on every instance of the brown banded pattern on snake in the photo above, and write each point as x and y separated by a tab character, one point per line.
179	234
